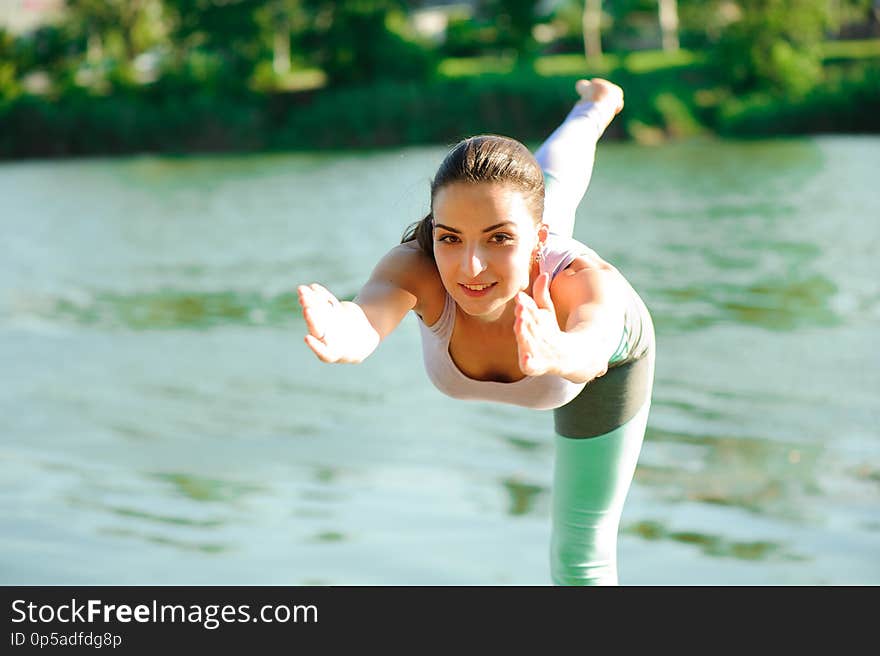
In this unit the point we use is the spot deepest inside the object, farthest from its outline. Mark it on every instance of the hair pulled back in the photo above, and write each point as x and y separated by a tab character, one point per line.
484	158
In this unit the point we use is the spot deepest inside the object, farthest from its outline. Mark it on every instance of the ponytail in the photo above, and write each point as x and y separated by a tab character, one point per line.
422	232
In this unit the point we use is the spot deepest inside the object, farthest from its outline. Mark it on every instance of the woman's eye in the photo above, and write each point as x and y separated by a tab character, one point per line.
498	238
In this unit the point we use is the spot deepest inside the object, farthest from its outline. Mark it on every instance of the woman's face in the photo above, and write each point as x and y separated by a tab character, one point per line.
484	245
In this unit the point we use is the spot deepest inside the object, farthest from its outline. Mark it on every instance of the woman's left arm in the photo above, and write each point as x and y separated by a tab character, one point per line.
572	326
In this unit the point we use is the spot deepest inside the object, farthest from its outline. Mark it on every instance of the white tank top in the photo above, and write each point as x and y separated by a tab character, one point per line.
537	392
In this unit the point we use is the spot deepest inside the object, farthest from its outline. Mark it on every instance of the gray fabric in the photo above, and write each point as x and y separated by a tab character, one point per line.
609	401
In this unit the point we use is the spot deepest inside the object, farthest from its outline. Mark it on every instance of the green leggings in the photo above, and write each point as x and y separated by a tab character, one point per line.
598	437
591	479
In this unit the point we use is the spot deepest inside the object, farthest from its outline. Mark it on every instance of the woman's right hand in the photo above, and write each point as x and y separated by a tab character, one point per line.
338	331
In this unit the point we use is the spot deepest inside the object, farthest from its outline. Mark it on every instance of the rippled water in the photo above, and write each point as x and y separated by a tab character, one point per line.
162	421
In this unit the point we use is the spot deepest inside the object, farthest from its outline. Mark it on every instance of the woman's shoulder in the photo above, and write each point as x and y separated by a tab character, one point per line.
410	268
409	261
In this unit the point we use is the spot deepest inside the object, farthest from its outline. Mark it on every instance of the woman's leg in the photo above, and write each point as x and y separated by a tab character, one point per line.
591	479
567	155
591	475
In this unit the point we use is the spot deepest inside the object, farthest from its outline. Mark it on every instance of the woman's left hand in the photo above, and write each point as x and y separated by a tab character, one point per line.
539	339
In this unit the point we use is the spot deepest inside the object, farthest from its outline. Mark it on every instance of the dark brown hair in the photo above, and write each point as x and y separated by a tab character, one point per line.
484	158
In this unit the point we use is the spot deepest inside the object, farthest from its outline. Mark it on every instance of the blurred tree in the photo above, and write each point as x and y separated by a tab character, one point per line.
515	20
566	19
361	41
632	25
592	26
844	13
50	48
118	29
774	45
278	20
216	40
9	86
643	24
468	36
701	22
668	16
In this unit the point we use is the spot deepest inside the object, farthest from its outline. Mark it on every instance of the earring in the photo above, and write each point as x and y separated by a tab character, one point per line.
539	254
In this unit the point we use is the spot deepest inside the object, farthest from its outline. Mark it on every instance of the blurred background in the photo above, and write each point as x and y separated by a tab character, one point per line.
118	76
171	170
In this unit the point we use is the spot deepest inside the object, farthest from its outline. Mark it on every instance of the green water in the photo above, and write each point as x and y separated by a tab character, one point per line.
161	420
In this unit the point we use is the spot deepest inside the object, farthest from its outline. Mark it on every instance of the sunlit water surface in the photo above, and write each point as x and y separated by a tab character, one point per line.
162	422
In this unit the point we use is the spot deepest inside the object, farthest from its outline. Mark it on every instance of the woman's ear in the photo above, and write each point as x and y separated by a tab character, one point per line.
543	231
538	251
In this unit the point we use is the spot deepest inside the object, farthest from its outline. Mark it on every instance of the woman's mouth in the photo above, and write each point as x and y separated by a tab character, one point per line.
475	291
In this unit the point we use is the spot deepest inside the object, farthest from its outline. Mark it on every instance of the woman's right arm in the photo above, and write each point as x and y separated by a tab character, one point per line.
348	332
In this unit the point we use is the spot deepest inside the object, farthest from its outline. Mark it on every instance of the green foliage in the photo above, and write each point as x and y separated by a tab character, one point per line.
631	25
677	118
774	46
80	123
177	114
515	20
567	18
199	72
841	51
9	87
441	111
123	28
358	45
646	61
466	37
849	101
702	22
575	64
50	48
847	12
765	71
222	31
458	67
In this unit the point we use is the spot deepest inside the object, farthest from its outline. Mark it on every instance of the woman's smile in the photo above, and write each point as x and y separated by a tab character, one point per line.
477	291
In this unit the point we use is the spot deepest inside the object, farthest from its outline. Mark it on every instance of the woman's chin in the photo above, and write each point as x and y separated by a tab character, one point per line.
488	309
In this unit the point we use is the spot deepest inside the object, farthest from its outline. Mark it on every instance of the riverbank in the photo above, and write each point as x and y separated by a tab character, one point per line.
668	96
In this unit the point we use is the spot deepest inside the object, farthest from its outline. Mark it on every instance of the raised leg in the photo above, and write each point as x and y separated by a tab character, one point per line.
568	154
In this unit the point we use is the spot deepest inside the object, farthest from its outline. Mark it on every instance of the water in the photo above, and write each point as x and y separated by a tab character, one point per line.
162	421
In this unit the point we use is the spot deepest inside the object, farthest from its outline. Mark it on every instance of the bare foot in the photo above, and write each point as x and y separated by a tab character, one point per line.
599	91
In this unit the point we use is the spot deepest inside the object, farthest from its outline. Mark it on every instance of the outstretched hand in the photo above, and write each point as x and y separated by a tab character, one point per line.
329	328
538	336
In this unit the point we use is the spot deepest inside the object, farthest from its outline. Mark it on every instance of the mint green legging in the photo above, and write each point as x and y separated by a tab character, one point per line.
591	479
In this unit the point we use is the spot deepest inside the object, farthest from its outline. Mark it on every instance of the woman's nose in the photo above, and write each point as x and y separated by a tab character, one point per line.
474	263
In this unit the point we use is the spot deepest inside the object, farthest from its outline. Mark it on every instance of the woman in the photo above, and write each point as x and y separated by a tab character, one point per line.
513	310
